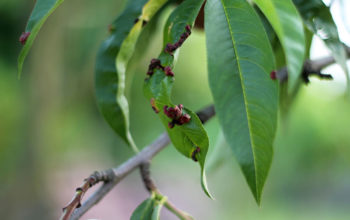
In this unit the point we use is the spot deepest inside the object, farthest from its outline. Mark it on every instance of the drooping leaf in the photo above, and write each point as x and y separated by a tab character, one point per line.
112	60
144	211
190	138
319	20
240	60
288	25
42	10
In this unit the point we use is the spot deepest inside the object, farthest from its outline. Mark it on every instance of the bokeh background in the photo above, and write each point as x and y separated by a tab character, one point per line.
52	135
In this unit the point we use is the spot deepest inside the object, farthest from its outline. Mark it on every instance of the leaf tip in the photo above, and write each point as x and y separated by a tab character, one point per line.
205	185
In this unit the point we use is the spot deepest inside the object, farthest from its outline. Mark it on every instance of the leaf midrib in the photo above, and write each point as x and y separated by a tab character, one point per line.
244	95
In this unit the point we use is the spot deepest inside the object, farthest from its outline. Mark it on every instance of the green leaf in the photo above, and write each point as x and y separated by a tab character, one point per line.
144	211
42	10
158	207
112	61
190	138
286	100
240	60
288	25
318	19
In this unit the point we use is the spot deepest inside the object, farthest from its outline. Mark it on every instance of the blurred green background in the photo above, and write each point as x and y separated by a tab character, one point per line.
52	135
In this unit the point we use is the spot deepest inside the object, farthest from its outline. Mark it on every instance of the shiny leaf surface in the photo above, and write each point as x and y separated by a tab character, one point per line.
240	60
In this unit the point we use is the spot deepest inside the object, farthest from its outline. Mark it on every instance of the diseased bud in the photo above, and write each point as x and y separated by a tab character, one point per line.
273	75
168	71
169	111
136	20
178	112
154	63
23	38
188	28
171	124
154	107
169	48
195	153
184	119
185	35
173	113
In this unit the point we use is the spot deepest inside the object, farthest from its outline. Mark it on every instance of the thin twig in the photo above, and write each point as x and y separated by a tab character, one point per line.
123	170
93	179
151	187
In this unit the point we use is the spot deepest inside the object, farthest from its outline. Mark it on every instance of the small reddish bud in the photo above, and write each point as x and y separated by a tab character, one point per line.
195	153
169	48
171	124
178	112
173	113
188	28
168	71
169	111
154	107
184	119
273	75
154	63
180	106
185	35
23	38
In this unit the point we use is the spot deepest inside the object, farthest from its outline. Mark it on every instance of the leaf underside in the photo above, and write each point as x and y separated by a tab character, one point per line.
112	60
240	60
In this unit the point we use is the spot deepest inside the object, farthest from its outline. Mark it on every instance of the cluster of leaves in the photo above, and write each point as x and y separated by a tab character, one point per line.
246	42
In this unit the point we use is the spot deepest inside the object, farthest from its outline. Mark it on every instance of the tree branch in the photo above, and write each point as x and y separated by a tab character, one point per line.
74	211
93	179
312	67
